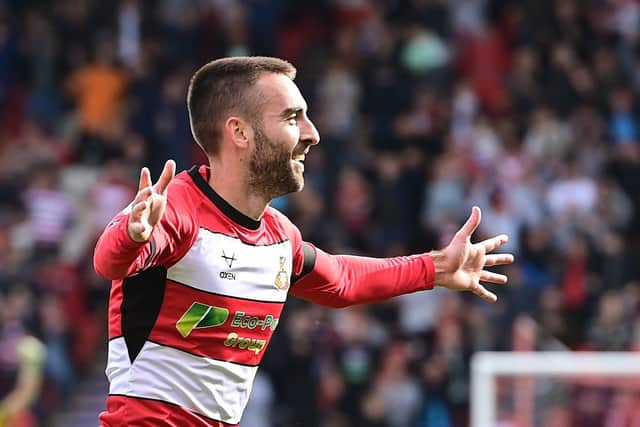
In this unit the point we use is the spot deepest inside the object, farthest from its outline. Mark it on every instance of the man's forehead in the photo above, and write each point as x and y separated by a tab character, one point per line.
280	92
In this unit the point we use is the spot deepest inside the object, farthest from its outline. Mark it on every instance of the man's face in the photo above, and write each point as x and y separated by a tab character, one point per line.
282	138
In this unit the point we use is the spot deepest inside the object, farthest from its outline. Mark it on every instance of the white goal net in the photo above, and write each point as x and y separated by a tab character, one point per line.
555	389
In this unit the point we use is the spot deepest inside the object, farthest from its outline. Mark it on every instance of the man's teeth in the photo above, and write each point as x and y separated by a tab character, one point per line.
300	161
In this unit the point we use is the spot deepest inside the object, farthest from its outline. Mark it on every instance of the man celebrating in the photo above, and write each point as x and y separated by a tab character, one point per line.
201	265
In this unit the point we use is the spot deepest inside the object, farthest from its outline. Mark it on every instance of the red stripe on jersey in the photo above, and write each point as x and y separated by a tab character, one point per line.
124	411
232	329
115	316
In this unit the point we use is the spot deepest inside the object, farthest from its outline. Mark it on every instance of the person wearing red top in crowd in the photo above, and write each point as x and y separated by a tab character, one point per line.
202	265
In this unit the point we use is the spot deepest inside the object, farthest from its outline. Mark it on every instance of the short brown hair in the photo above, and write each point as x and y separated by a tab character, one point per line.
223	87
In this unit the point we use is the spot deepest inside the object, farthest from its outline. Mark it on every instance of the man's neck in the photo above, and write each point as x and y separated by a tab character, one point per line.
233	188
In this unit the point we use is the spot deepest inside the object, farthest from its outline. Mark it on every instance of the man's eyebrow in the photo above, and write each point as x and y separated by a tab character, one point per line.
288	112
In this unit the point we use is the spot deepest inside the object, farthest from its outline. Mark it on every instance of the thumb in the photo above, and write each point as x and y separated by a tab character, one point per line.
472	223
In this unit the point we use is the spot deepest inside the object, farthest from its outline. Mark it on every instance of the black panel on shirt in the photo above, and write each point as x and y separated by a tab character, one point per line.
152	253
142	298
229	211
308	264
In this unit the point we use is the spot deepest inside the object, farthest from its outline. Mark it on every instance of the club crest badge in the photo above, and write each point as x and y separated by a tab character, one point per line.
282	278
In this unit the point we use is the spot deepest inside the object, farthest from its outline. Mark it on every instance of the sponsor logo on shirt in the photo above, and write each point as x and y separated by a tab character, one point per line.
228	259
244	343
200	316
241	320
227	275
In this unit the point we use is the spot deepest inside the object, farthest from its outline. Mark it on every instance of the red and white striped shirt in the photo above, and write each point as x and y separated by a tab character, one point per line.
192	310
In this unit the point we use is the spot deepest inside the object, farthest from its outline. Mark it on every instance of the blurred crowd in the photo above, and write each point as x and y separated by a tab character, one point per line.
529	109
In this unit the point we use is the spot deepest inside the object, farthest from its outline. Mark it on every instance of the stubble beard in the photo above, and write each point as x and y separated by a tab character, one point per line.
271	174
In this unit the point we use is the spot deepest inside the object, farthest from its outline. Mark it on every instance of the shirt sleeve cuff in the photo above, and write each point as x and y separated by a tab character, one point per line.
429	272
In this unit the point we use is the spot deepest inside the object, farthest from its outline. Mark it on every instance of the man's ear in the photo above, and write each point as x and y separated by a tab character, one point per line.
238	131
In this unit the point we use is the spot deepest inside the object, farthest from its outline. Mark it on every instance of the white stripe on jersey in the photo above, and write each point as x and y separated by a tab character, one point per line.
227	266
215	389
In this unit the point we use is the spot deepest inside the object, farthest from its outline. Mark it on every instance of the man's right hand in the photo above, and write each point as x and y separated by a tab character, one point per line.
150	202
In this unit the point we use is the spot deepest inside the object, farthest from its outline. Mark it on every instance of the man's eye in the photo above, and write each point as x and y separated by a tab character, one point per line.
293	120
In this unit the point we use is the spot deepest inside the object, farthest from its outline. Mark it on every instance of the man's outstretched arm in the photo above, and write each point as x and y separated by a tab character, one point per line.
341	280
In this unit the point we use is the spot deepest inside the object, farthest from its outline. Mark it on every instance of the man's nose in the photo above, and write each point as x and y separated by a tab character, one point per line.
309	134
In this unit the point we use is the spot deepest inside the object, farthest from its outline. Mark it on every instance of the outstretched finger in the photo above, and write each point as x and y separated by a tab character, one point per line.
488	276
145	178
493	243
168	172
483	293
498	259
472	223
